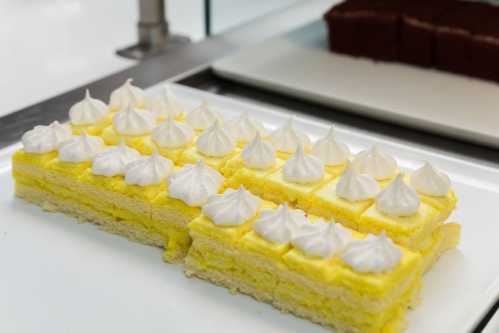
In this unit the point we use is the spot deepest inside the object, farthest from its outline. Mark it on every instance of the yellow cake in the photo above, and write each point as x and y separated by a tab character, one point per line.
167	106
244	129
127	95
215	146
122	201
358	270
287	138
89	116
325	290
172	138
299	177
334	154
134	126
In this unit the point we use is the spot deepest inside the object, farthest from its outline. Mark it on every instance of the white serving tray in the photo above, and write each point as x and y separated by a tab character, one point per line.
60	276
299	64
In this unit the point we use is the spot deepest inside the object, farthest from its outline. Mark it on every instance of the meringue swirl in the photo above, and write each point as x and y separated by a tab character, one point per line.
132	121
330	151
244	128
127	95
171	134
193	184
374	254
280	225
88	111
376	164
80	148
148	170
112	161
259	154
167	105
398	199
354	187
303	169
430	181
233	207
44	139
215	141
203	116
286	139
321	239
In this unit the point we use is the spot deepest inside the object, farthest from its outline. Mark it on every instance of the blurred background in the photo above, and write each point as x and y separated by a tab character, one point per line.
62	44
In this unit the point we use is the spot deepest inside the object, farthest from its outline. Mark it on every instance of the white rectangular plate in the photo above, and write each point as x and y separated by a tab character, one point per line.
60	276
299	64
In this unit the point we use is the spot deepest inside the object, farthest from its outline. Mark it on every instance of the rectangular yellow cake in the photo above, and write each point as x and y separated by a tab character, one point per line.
326	291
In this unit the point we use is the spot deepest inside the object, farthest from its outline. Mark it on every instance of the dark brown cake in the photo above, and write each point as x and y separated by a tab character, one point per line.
484	47
453	38
452	35
417	31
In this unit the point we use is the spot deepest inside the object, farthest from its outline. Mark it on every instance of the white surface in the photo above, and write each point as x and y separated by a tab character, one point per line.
52	46
299	64
493	325
60	276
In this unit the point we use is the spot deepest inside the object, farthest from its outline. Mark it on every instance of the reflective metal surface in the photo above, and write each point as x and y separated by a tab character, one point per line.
153	32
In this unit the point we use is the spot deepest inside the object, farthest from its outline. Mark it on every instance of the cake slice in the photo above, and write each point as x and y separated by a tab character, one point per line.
89	116
296	180
172	138
320	271
252	166
134	126
127	95
215	146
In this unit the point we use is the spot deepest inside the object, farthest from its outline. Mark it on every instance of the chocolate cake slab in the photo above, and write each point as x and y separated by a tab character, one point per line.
417	30
453	36
485	47
365	28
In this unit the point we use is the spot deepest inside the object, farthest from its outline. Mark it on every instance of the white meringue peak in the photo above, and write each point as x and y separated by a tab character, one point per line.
172	134
280	225
373	254
133	121
244	128
356	187
398	199
215	141
302	168
232	208
167	105
322	239
428	180
45	138
375	163
194	183
330	151
80	148
148	170
287	138
259	154
203	116
126	95
112	161
88	111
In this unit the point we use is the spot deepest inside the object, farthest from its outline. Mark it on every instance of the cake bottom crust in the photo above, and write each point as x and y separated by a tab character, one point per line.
237	286
135	232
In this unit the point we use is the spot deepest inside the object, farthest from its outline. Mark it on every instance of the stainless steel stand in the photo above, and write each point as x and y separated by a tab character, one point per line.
153	33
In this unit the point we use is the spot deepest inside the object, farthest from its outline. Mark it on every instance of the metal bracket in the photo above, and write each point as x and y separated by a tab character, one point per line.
153	33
